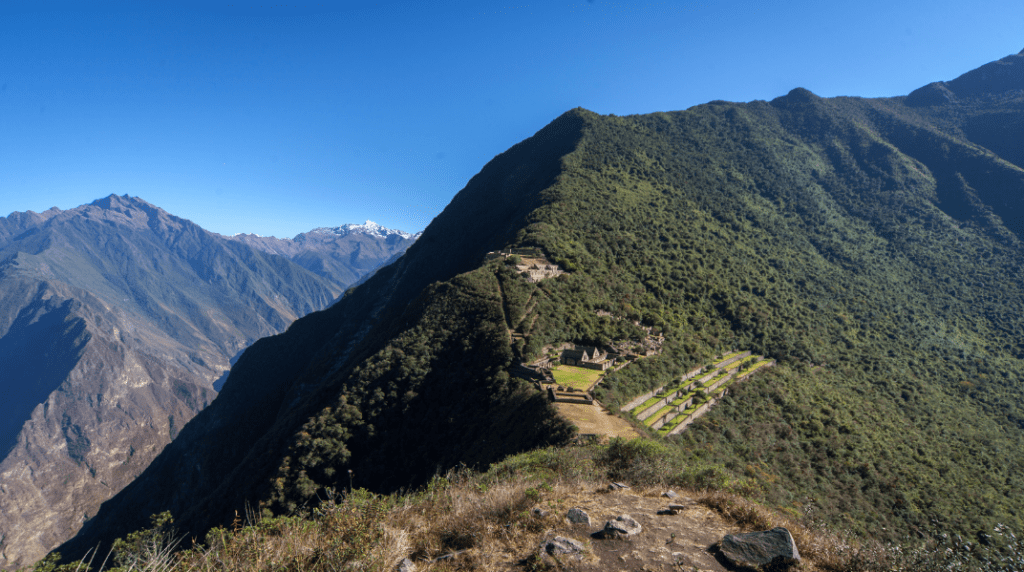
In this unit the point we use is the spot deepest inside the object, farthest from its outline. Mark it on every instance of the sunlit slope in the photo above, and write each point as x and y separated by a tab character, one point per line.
867	245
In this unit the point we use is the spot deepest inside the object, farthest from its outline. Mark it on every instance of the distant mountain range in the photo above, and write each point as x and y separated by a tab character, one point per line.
872	246
343	253
116	319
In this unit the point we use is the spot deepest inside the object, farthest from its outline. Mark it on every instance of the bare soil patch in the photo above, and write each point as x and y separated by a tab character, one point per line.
594	419
681	541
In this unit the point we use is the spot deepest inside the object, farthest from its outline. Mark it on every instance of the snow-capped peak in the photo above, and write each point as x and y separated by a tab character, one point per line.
369	227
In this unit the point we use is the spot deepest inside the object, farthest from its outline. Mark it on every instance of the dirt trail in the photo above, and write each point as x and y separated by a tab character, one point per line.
666	542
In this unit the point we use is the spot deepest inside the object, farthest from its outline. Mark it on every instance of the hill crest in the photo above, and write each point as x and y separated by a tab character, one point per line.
870	246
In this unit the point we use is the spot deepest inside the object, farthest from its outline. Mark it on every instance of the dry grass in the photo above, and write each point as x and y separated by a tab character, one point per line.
821	550
487	528
457	523
462	521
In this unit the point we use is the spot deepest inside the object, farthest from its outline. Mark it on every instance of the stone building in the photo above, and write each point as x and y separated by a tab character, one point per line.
588	357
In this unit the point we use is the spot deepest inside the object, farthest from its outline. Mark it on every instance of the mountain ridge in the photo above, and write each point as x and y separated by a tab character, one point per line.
345	253
871	246
116	318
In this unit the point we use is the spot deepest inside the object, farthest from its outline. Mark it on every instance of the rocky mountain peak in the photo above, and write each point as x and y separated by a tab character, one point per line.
369	227
132	212
113	201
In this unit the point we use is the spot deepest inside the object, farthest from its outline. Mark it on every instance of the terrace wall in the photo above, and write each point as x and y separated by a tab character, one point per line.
720	382
693	416
704	408
570	396
732	360
763	367
636	402
657	405
669	415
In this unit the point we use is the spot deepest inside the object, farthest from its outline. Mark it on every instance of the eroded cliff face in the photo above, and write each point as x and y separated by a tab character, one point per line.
113	411
116	319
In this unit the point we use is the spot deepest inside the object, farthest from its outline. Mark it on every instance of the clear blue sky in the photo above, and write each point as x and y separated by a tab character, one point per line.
276	118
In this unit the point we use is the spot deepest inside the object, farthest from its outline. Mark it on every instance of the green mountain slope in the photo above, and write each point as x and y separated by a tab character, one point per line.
871	246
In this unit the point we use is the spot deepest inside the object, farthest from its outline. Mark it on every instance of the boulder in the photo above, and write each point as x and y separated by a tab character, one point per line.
622	527
670	494
578	516
560	545
755	549
406	565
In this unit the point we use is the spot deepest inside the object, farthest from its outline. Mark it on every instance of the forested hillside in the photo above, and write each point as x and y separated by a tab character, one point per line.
872	247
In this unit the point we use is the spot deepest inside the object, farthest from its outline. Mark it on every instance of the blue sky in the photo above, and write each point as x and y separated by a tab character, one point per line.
275	118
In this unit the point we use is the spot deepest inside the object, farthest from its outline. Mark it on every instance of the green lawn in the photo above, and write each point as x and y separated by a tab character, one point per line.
576	377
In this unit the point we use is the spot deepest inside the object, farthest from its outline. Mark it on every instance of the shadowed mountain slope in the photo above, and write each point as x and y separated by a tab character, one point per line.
115	319
873	247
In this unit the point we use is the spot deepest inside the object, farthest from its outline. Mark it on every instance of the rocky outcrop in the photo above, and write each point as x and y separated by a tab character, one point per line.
757	549
560	545
578	516
622	526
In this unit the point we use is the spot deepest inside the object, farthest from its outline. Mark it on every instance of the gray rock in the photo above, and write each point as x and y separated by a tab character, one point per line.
622	527
617	486
578	516
755	549
406	565
560	545
673	509
670	494
539	512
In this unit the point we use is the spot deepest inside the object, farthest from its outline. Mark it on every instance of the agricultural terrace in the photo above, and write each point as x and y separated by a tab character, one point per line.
664	411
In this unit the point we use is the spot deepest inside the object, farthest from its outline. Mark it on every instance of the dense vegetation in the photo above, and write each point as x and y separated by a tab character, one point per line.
798	229
869	246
